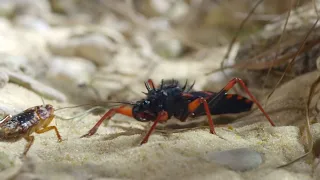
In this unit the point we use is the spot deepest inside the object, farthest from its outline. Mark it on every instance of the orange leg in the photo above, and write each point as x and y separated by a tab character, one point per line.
195	104
162	116
124	110
238	80
149	85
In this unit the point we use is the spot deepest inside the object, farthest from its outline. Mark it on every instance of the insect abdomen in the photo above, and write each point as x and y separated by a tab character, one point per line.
232	103
228	104
23	120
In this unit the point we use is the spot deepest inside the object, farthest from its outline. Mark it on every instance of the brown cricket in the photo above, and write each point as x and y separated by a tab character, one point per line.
35	119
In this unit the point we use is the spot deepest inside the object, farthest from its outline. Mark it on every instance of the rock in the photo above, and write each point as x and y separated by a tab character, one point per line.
5	162
167	46
4	79
34	85
31	22
16	63
241	159
21	43
39	8
69	75
6	8
94	47
70	70
178	11
160	7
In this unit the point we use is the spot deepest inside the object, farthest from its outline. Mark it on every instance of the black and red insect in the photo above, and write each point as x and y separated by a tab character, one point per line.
170	99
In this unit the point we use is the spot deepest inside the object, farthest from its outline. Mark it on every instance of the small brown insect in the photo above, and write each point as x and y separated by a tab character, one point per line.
35	119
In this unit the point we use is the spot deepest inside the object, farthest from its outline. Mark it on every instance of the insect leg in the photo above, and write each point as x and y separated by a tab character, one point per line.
151	84
29	140
5	119
162	116
195	104
124	110
45	129
238	80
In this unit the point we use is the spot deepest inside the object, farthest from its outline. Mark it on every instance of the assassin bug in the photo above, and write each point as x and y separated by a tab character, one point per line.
172	100
35	119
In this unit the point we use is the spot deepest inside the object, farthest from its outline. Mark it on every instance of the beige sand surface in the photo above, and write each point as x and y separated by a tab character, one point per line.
107	155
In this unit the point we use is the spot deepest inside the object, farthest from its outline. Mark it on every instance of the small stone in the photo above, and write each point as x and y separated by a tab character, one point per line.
94	47
5	162
34	85
40	8
4	79
160	7
70	75
241	159
16	63
167	46
71	70
31	22
6	8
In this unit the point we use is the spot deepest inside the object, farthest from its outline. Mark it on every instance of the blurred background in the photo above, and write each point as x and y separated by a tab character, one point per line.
93	51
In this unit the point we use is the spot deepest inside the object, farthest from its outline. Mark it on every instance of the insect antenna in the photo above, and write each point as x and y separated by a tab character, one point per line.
43	103
83	114
101	104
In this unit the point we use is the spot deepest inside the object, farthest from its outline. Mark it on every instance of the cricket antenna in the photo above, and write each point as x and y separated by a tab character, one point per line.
42	101
98	104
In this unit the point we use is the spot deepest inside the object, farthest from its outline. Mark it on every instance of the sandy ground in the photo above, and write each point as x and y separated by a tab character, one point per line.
115	153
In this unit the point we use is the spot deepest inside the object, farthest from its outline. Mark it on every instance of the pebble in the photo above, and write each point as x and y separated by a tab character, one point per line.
16	63
241	159
71	70
32	23
5	162
34	85
94	47
4	79
167	46
6	8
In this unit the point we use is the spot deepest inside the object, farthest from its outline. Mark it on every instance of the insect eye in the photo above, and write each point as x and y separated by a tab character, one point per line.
43	113
146	103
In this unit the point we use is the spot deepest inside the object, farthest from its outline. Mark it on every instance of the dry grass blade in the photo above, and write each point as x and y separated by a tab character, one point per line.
278	47
236	36
308	130
293	59
251	65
